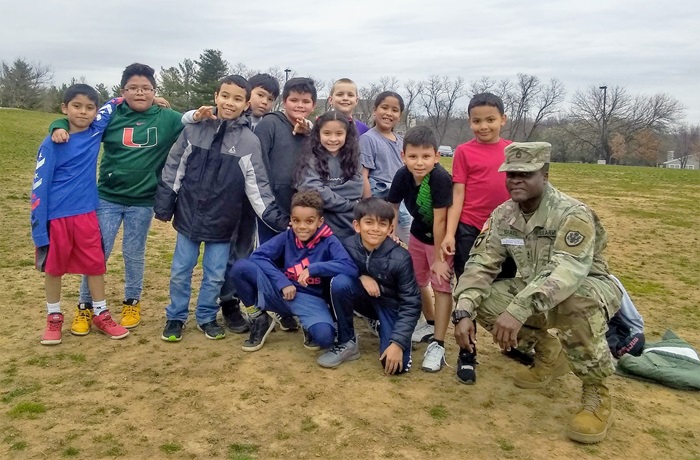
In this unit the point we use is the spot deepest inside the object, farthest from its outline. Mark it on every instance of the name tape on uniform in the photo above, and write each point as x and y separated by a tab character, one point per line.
512	242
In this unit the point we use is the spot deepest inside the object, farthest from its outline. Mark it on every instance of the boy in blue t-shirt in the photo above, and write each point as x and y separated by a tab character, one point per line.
64	223
285	275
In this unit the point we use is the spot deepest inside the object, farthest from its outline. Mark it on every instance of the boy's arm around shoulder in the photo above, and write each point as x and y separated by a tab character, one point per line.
339	261
409	302
170	181
265	255
257	186
104	115
43	176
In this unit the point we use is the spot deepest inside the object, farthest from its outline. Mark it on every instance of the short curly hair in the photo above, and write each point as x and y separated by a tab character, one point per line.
308	199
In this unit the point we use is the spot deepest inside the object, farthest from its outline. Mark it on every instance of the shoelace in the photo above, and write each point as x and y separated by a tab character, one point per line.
107	320
54	325
129	310
338	349
590	399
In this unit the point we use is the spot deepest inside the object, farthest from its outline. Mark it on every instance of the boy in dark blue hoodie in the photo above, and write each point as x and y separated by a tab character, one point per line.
285	275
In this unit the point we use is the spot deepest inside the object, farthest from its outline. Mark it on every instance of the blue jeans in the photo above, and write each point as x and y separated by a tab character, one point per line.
255	288
184	260
403	231
137	221
348	294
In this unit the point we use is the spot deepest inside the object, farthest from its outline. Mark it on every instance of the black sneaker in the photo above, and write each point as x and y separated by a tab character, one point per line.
466	370
286	323
233	318
260	328
212	330
309	342
173	330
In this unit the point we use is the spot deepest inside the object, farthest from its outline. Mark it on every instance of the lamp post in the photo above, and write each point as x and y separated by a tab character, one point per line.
286	74
605	100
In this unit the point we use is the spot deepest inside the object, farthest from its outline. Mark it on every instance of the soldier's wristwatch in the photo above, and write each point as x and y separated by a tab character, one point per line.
459	315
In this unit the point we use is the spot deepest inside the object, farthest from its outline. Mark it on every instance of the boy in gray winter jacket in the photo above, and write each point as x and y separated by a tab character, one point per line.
211	170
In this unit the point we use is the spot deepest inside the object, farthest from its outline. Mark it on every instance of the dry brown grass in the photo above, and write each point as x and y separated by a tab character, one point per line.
140	397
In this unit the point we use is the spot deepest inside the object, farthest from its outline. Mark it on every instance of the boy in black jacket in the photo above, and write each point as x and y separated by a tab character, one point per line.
386	290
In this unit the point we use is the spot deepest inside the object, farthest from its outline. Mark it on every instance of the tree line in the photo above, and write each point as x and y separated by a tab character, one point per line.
607	123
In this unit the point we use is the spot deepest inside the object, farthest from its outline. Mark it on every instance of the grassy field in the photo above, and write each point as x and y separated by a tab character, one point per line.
141	397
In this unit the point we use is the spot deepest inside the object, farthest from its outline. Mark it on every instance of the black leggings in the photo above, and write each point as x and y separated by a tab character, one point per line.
464	240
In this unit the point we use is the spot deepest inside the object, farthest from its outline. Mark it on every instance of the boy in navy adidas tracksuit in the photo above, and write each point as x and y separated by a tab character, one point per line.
285	275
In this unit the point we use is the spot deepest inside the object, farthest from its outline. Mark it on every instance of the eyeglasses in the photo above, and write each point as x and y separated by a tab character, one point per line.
136	89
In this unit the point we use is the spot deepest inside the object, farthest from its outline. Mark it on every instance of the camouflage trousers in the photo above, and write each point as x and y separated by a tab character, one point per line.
581	322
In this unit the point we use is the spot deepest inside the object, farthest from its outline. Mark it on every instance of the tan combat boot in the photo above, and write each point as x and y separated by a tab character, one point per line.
550	363
591	423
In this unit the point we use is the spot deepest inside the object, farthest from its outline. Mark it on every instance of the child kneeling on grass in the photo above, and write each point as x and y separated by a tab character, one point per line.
64	223
285	275
387	288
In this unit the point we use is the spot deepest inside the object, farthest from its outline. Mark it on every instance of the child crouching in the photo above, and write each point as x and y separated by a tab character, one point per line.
387	288
285	276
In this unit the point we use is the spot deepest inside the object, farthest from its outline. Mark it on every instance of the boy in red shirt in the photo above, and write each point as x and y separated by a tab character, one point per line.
478	188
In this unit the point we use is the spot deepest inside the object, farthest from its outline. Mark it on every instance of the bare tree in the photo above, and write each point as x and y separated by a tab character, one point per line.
619	112
686	141
412	89
527	102
438	100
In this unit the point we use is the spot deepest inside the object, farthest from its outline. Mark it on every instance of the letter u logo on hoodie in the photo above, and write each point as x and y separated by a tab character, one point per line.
151	138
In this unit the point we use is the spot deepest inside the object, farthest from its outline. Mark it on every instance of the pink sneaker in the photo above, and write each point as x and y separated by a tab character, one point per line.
107	326
52	334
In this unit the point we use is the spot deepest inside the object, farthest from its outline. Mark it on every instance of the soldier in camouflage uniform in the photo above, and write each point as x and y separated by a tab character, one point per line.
562	283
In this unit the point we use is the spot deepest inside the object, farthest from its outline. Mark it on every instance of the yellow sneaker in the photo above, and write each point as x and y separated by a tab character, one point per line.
82	320
131	313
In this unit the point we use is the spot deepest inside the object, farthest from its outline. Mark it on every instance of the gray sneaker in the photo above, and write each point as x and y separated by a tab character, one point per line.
337	355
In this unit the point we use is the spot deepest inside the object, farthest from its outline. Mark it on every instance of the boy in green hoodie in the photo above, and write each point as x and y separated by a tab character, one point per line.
136	145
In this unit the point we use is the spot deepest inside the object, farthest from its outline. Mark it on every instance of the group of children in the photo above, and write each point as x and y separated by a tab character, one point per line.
299	219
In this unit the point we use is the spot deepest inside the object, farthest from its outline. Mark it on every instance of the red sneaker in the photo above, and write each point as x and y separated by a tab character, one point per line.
107	326
52	334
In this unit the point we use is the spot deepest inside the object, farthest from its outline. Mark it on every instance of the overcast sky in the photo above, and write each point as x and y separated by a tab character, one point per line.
645	46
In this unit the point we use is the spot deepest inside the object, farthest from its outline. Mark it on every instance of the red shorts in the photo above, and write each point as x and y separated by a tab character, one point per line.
422	256
75	246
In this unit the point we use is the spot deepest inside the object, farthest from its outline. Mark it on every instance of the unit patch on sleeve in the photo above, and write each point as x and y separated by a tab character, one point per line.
574	238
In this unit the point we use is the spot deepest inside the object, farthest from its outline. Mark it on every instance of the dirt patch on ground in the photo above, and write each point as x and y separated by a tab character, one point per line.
92	397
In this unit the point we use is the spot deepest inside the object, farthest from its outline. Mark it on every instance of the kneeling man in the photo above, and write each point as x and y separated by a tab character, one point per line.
562	283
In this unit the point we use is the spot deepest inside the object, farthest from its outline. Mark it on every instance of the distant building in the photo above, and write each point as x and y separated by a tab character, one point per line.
691	162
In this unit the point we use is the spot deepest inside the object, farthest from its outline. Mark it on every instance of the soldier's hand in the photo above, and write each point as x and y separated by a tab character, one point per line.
505	331
465	334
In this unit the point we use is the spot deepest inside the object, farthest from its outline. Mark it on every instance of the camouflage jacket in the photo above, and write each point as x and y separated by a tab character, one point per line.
555	250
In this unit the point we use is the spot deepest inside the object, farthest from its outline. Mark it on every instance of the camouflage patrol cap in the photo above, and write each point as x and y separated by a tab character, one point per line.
526	156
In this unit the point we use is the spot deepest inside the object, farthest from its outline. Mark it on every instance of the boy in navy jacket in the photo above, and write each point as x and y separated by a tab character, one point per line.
285	275
386	290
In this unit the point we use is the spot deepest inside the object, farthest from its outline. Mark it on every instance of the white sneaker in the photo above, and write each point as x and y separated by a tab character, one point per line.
434	358
423	332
